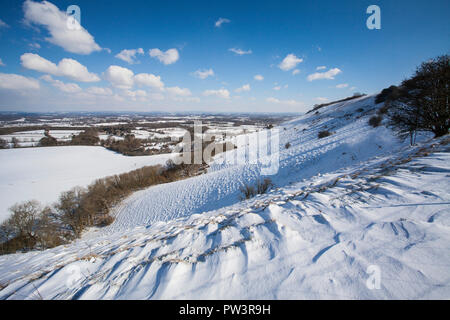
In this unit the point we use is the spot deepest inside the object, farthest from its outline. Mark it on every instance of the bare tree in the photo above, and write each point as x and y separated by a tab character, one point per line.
423	104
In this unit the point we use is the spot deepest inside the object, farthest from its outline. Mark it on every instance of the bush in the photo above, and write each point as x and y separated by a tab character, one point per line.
48	141
3	144
323	134
375	121
88	137
15	142
388	94
249	191
287	145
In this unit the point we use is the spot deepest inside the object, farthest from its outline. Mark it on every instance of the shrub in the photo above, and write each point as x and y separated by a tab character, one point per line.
3	144
249	191
15	142
48	141
88	137
375	121
388	94
323	134
287	145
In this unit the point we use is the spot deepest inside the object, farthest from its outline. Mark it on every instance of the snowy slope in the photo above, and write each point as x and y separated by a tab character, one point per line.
353	141
43	173
358	199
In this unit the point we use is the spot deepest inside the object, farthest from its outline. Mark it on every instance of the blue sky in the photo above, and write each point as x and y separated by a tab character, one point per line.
326	42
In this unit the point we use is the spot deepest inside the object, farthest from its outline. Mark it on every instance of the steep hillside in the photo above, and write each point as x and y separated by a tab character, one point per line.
352	142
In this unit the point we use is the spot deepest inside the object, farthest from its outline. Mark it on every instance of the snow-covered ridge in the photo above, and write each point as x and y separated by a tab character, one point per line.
356	199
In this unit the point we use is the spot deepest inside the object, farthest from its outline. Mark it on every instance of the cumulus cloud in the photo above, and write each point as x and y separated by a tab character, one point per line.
64	87
296	71
284	102
321	68
99	91
3	24
17	82
342	85
203	74
321	99
135	95
177	91
129	55
289	62
221	93
119	77
149	80
329	75
277	88
245	87
168	57
66	68
221	21
124	78
258	77
47	15
240	51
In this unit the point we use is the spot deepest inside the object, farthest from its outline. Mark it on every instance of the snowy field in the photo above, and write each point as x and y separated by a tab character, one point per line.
43	173
31	138
356	201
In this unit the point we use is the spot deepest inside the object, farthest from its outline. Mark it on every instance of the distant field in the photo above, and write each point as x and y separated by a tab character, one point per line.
43	173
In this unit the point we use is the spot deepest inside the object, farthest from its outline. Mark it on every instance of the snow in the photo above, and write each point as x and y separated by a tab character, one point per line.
342	206
43	173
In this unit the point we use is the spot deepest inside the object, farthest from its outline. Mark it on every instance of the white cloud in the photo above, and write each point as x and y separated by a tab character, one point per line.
168	57
177	91
342	85
258	77
49	16
129	55
156	96
284	102
134	95
277	88
221	21
64	87
203	74
149	80
3	24
124	78
321	68
329	75
245	87
120	77
66	68
240	51
1	63
221	93
321	99
17	82
289	62
296	71
99	91
34	45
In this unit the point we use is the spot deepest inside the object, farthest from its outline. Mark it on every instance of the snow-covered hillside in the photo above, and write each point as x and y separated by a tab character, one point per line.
43	173
353	142
342	206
